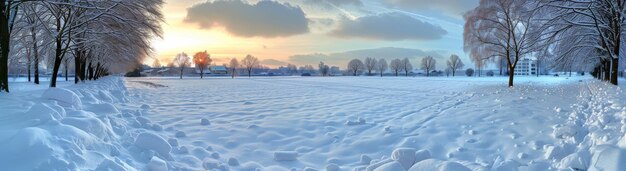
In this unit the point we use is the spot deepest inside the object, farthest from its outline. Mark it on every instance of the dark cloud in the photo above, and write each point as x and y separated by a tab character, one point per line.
454	8
388	26
263	19
388	53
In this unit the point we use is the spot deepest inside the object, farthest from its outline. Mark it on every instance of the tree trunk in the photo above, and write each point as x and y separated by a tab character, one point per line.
57	62
501	66
90	70
28	67
614	70
381	74
511	74
97	71
36	62
201	73
55	72
181	72
83	68
77	71
427	73
453	72
4	48
35	54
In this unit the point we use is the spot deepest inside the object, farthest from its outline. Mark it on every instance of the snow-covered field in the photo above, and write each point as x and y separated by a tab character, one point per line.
300	123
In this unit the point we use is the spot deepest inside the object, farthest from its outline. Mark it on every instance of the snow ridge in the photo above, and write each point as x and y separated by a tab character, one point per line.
83	127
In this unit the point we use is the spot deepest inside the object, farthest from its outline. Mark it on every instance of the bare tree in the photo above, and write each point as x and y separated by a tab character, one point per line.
382	66
182	61
324	69
428	64
250	62
233	65
587	32
156	63
455	63
355	66
396	66
502	28
292	69
407	66
202	60
370	65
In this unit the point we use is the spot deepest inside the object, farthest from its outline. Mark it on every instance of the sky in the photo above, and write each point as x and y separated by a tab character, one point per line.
303	32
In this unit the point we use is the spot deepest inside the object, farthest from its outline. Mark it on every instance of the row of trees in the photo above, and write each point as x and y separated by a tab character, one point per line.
570	34
202	61
98	37
396	66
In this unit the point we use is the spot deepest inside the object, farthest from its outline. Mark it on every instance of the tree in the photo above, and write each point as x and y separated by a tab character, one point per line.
455	63
370	65
355	66
469	72
233	65
396	66
292	69
32	27
250	62
502	28
324	69
587	32
202	61
7	19
428	63
381	66
182	61
407	66
156	63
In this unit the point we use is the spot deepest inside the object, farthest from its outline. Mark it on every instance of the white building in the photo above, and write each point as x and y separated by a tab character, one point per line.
526	66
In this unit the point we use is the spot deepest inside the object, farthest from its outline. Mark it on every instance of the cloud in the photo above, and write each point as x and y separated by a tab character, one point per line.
273	62
336	2
263	19
454	8
388	53
388	26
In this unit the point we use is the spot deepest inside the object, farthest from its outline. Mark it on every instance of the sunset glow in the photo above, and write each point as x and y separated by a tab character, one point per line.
324	21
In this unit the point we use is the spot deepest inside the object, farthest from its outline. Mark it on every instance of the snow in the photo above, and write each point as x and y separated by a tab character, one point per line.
608	158
404	156
150	141
205	121
157	164
390	166
63	96
285	155
335	123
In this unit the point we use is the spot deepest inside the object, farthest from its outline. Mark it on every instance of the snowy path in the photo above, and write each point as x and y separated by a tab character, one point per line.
472	121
